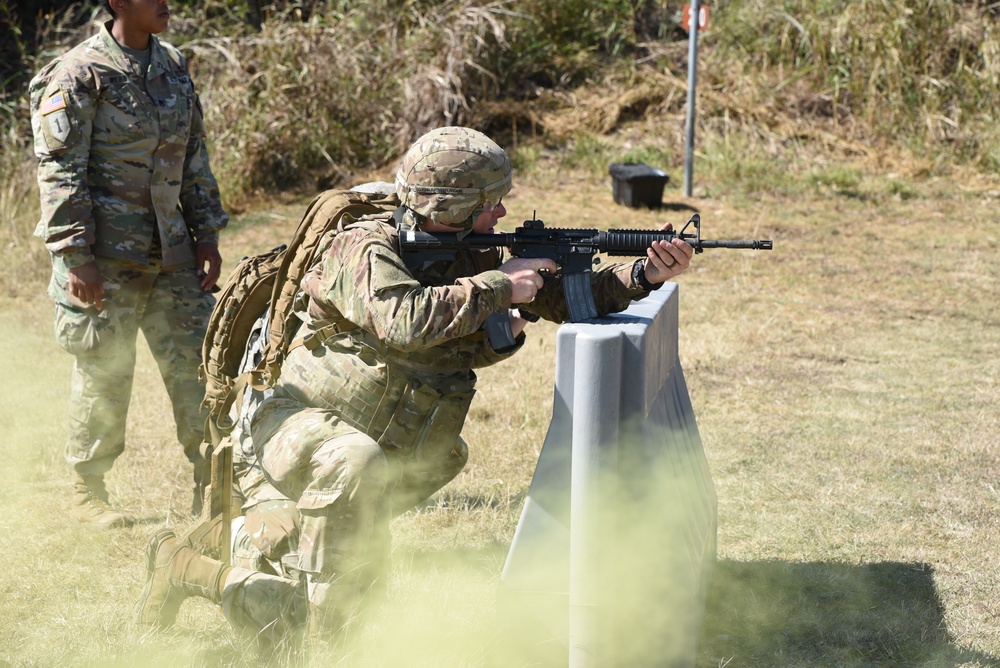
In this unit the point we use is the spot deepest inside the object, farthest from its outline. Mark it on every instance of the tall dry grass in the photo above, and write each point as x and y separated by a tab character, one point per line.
926	75
22	262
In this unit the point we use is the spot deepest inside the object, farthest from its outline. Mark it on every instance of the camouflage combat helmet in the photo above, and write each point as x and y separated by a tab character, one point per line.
450	173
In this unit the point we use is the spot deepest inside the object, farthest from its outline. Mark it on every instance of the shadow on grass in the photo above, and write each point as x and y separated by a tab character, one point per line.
825	614
671	206
677	206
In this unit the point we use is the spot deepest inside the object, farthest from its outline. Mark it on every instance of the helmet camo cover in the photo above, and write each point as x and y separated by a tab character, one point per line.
450	172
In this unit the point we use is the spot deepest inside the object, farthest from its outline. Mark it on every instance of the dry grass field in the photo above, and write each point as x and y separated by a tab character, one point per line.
845	384
846	387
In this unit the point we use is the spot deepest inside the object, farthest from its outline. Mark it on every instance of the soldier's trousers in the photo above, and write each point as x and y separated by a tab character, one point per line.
345	489
172	311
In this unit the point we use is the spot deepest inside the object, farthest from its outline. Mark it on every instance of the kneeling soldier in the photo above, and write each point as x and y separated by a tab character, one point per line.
366	424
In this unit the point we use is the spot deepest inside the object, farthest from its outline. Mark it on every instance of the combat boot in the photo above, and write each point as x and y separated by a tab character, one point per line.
176	571
90	504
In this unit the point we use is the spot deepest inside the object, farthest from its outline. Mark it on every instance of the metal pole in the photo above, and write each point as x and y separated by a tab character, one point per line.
692	80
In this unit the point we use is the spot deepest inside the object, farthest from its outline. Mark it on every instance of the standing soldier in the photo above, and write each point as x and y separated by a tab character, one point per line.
366	423
131	215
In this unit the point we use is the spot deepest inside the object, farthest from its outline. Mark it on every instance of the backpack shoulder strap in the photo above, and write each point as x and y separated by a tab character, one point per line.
329	211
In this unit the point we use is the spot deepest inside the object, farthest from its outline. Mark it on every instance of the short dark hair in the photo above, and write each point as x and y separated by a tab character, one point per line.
107	7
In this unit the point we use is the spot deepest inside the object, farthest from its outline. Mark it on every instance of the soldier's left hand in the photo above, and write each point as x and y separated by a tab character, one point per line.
86	285
664	259
208	254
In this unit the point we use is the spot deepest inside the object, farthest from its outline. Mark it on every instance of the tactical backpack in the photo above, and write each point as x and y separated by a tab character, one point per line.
269	281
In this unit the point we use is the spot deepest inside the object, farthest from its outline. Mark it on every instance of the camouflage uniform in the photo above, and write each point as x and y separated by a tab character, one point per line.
365	419
367	425
125	181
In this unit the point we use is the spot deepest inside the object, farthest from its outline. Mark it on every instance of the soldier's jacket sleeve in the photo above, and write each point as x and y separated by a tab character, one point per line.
365	279
67	224
487	356
611	284
199	196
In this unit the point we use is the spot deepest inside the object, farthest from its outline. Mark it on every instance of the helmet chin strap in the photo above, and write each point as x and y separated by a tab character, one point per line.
467	225
406	219
462	230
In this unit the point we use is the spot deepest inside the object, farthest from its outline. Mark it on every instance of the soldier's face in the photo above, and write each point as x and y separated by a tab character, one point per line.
489	217
149	16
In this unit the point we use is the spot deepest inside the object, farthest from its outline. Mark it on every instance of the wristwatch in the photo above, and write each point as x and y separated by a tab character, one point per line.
639	276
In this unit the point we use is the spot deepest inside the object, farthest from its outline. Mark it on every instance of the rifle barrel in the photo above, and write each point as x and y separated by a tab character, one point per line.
753	244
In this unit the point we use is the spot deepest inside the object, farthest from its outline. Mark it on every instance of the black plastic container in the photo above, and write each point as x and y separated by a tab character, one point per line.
636	185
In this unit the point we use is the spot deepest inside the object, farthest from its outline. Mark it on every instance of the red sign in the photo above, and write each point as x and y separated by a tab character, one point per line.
702	17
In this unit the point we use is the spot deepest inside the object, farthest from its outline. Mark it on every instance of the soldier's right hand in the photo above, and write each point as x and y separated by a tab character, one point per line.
87	284
523	273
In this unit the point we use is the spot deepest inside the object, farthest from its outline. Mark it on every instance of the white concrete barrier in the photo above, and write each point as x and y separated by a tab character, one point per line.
610	561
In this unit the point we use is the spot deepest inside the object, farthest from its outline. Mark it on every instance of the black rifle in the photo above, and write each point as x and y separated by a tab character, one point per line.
574	250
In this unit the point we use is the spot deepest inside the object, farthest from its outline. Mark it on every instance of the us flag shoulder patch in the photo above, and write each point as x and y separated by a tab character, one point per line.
54	103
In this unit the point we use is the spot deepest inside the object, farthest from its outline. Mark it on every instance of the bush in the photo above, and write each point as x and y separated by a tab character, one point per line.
351	87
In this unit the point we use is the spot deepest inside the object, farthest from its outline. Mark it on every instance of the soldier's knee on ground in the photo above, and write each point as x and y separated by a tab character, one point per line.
269	607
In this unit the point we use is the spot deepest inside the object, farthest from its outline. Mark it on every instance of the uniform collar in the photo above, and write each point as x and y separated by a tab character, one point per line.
159	61
112	47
